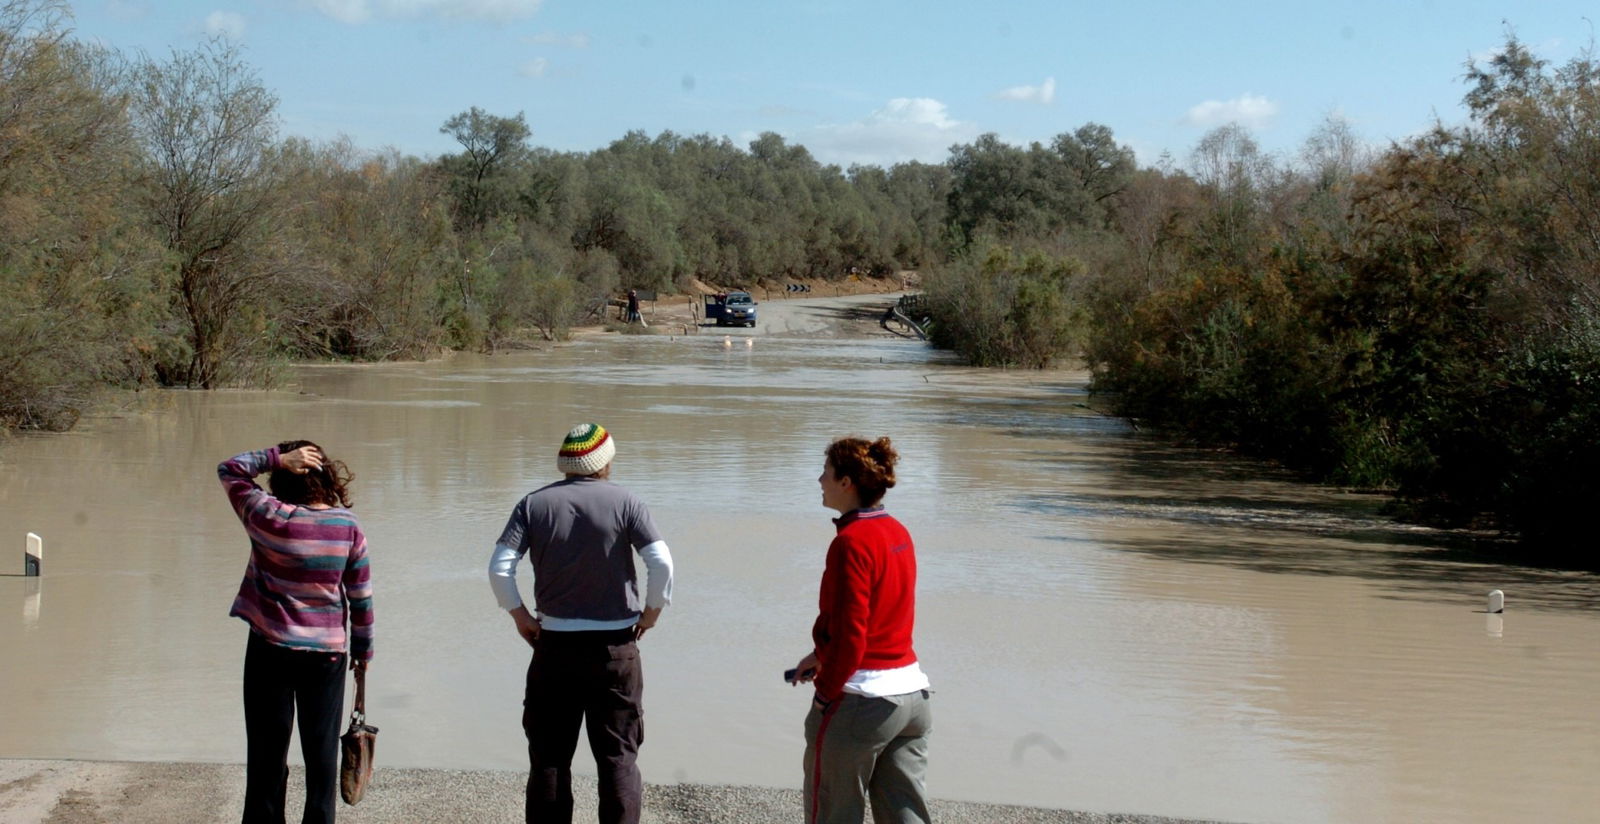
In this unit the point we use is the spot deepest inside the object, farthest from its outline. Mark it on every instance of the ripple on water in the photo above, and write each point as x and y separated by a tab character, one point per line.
419	404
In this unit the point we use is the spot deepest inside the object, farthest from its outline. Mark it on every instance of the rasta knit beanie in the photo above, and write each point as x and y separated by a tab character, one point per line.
587	450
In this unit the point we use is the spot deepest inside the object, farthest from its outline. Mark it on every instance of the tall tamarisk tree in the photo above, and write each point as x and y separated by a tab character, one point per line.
76	292
491	145
207	126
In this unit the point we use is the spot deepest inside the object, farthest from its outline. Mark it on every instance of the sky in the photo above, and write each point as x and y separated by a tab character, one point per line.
855	82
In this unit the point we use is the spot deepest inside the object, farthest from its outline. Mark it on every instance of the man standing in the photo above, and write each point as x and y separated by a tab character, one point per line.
633	308
580	535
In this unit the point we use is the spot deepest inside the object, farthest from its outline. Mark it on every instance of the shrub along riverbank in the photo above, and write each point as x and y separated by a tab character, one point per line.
1423	319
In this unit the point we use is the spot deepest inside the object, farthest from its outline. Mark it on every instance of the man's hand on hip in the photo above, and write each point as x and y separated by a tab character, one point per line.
527	625
646	621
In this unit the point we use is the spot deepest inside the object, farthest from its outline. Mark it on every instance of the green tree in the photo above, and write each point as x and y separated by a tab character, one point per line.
480	179
77	270
376	245
1101	168
1234	177
207	127
993	190
1039	191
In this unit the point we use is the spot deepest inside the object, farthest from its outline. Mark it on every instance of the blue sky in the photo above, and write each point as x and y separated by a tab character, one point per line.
856	82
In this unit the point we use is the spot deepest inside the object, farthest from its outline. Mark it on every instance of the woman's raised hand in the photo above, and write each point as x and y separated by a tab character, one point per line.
302	460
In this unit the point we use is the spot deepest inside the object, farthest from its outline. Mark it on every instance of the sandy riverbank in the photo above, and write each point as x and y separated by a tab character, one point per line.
94	792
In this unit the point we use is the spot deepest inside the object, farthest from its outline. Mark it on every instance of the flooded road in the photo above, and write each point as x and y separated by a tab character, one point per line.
1110	623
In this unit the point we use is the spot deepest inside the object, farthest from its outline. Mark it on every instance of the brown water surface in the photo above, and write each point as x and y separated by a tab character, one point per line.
1110	623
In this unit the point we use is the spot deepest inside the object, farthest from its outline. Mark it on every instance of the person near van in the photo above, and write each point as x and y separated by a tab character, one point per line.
307	596
867	731
580	535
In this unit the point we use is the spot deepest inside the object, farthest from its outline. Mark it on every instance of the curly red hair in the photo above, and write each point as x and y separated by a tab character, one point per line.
868	464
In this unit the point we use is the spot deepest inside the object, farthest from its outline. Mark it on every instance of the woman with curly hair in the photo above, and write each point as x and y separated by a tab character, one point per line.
867	731
306	581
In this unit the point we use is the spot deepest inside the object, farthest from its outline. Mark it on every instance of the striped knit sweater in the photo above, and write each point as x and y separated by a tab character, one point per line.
307	575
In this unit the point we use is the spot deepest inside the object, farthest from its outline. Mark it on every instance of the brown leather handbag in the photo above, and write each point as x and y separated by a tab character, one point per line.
356	747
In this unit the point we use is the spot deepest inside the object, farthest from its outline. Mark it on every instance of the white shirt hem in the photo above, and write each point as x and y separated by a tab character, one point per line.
886	682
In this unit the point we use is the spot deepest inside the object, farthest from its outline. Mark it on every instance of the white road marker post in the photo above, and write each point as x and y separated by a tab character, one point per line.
33	556
1497	602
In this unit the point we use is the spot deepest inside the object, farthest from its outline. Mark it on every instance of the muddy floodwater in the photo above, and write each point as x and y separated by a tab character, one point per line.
1110	622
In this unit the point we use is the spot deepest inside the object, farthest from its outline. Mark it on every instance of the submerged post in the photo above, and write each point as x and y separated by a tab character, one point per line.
1497	602
33	556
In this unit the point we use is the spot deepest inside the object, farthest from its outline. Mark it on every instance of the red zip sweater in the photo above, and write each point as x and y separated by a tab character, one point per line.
868	600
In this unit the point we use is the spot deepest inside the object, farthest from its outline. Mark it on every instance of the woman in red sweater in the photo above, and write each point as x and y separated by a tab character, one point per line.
867	732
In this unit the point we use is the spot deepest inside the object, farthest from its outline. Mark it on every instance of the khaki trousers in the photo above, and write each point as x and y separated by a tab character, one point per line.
868	750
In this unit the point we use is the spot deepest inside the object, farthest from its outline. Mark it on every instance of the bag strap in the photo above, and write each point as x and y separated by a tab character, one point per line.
359	712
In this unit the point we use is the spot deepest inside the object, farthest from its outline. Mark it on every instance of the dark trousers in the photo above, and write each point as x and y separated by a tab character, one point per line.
277	681
594	679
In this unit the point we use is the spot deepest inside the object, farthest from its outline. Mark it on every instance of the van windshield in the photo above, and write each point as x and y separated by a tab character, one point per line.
734	299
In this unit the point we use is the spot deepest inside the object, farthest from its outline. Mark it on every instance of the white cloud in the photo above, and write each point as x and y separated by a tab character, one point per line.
225	24
534	68
550	38
1043	94
1249	110
360	11
907	128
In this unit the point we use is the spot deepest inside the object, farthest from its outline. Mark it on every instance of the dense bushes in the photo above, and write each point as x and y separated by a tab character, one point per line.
1425	320
80	276
1422	321
999	308
1022	221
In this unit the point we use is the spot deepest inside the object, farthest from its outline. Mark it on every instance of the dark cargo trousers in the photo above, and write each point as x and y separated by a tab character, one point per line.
593	679
865	750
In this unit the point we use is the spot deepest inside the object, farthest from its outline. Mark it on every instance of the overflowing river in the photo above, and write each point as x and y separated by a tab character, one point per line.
1110	623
